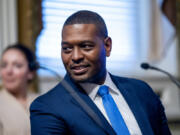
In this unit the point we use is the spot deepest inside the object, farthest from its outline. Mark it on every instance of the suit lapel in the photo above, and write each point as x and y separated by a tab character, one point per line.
134	105
93	111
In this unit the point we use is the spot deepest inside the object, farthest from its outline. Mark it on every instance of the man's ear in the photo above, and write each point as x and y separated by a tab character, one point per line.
108	46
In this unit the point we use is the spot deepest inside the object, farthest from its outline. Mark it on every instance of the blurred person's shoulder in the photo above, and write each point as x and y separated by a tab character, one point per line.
3	95
5	101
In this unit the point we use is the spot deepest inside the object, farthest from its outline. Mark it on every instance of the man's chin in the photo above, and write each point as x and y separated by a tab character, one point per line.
80	78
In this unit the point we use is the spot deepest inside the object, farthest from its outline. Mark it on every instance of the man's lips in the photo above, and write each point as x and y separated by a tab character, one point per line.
79	69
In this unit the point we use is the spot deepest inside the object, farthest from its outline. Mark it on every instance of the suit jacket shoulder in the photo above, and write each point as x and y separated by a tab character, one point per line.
136	86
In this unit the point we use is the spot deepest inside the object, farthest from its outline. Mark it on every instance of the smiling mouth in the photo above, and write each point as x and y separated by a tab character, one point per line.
80	69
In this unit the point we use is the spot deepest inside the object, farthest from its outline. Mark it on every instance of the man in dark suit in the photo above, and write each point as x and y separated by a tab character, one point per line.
89	100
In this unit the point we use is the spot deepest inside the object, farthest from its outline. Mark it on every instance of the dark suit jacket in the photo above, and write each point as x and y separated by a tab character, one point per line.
58	113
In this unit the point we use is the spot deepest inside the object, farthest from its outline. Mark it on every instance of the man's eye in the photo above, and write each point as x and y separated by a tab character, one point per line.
67	49
87	46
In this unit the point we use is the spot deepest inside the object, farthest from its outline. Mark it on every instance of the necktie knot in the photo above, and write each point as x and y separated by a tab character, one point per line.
103	90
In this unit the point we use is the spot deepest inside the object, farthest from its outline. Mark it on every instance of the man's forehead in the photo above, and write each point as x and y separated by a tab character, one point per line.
79	28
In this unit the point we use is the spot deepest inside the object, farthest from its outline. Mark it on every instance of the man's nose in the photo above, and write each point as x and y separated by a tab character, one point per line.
77	55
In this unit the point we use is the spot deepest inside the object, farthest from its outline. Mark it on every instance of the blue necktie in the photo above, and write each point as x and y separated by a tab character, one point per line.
112	111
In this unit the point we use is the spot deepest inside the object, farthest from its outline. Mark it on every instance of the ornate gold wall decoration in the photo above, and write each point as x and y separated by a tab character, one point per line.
29	25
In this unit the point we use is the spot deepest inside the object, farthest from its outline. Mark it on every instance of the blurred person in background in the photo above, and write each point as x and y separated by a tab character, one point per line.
17	69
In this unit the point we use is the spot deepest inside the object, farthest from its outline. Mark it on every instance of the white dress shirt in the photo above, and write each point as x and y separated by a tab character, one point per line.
92	89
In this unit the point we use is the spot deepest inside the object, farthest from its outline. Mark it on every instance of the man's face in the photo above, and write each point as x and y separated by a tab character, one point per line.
84	53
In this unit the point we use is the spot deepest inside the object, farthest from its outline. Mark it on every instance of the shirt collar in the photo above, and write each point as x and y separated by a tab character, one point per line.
91	88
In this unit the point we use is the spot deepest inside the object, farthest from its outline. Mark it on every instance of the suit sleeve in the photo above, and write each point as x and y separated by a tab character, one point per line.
44	122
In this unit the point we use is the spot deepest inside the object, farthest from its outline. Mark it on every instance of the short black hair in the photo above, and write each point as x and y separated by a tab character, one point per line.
29	55
88	17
